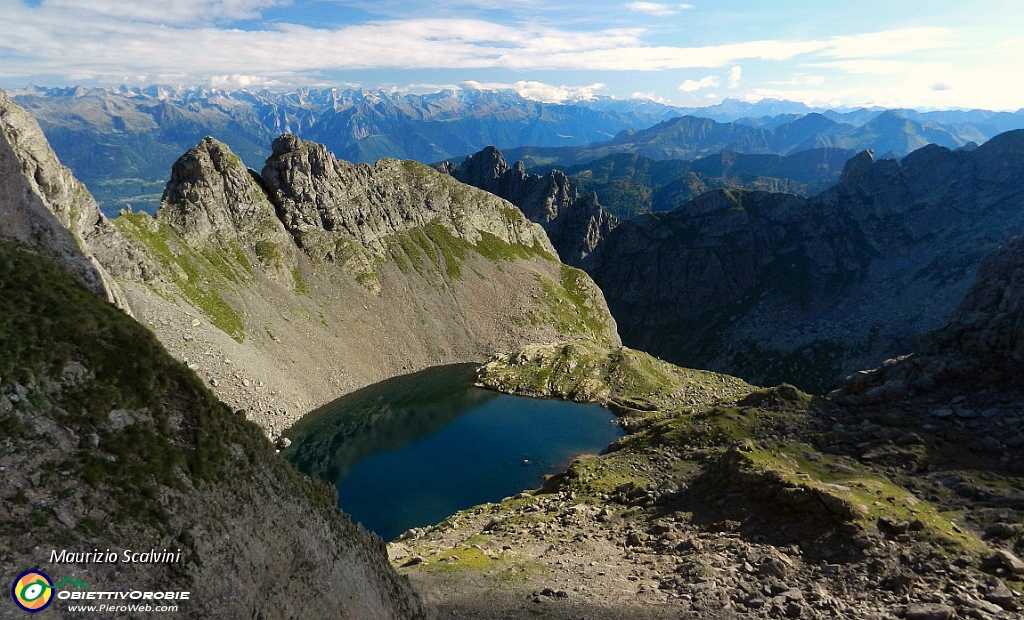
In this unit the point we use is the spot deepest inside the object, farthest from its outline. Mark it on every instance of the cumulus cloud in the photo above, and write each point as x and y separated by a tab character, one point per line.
734	76
689	86
656	9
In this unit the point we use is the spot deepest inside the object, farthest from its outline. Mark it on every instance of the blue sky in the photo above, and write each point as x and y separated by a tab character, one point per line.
893	53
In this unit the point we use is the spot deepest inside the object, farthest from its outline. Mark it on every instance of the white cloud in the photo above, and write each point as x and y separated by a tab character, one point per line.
870	66
539	91
179	42
889	43
658	10
650	97
163	12
106	39
236	81
689	86
734	76
918	85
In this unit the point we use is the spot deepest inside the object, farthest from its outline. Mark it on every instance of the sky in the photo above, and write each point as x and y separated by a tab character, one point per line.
933	54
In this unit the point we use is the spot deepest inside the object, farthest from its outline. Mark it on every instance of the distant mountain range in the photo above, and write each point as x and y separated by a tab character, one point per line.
121	142
628	185
888	133
774	112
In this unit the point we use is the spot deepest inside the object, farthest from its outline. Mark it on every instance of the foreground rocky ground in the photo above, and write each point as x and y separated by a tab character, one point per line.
730	501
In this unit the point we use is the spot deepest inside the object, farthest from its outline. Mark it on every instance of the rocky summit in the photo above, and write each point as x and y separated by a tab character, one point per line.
775	287
575	223
288	288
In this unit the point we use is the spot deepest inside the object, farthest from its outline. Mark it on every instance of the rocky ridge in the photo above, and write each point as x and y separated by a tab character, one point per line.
575	223
775	287
352	256
46	207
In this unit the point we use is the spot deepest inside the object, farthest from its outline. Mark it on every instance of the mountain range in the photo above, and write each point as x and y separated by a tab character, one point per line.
888	133
627	185
121	142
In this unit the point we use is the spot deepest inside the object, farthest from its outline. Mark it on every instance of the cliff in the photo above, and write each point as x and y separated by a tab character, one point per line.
46	207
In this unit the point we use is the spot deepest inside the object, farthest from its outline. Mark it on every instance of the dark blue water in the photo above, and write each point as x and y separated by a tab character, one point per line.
413	450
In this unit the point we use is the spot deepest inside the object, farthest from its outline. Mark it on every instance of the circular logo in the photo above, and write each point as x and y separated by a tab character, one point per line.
32	591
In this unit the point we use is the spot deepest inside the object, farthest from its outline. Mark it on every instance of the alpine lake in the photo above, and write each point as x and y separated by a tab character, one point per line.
412	450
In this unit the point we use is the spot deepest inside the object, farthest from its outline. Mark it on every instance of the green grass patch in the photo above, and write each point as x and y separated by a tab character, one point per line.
197	274
586	371
868	495
300	282
596	476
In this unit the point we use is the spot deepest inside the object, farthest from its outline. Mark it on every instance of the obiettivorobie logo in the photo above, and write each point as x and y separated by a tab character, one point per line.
33	590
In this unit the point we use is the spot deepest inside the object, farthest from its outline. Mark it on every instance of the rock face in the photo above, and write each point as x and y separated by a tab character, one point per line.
981	346
213	201
321	200
575	223
149	459
773	287
990	319
42	205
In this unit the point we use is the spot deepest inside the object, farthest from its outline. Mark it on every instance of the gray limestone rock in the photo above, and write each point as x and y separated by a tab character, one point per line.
212	200
322	200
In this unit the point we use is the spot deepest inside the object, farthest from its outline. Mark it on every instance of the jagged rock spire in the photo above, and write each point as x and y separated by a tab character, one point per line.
575	223
213	198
